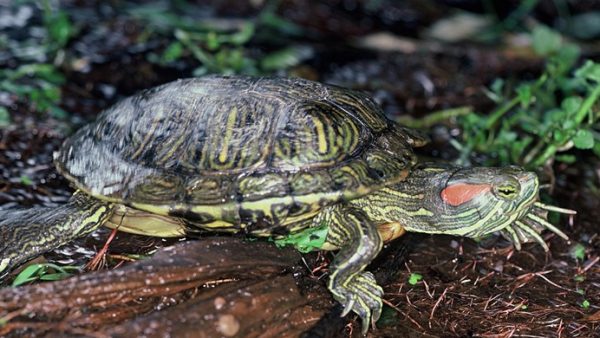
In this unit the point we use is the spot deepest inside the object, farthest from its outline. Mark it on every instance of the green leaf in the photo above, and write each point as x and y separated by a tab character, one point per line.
560	136
172	53
4	117
414	278
57	112
244	35
285	58
545	40
26	180
565	59
30	273
585	304
590	71
306	240
55	276
525	95
50	92
571	104
39	272
577	252
212	41
59	29
506	136
584	139
495	93
596	148
497	86
569	124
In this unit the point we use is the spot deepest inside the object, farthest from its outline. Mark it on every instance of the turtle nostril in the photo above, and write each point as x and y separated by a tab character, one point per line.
526	176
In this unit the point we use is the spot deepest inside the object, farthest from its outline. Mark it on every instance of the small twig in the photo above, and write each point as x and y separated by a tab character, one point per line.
481	279
551	282
122	258
430	294
436	305
590	263
468	265
559	329
408	300
489	300
407	267
516	307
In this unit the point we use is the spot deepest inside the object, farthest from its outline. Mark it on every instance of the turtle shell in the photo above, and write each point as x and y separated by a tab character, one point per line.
238	149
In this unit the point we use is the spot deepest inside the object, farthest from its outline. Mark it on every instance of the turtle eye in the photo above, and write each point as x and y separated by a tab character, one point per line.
508	190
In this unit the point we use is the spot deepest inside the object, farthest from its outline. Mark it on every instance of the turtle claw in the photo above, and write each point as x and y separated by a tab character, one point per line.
361	295
349	305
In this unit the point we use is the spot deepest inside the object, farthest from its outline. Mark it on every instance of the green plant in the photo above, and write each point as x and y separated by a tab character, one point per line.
414	278
220	47
59	29
43	272
4	117
219	52
539	119
577	252
38	83
306	240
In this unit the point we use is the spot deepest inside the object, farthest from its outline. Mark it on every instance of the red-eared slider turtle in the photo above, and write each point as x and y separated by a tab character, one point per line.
270	157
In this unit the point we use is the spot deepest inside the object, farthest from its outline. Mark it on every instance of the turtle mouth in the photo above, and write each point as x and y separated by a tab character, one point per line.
532	220
528	227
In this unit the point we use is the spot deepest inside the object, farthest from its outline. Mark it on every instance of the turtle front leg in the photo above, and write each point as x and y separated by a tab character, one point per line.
356	236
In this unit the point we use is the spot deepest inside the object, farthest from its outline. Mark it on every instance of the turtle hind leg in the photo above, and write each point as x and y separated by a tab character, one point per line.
359	242
28	233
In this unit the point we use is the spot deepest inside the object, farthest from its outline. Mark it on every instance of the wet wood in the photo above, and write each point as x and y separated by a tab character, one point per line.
215	287
266	308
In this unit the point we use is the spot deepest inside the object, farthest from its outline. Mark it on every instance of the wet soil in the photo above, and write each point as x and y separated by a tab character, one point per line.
484	289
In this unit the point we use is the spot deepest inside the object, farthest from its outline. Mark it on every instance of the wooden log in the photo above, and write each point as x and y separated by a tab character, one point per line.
207	288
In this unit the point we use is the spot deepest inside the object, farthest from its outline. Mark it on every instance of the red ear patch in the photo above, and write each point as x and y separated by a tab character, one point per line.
460	193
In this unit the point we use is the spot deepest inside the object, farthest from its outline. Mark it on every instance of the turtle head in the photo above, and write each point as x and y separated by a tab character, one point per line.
477	201
473	202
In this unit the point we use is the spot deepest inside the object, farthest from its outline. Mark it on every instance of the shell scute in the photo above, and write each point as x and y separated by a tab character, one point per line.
307	182
316	134
259	186
209	190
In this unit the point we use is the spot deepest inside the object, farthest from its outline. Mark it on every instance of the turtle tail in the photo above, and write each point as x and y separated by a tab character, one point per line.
28	233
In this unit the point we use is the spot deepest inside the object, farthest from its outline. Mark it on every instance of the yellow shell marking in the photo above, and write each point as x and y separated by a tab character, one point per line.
228	133
320	135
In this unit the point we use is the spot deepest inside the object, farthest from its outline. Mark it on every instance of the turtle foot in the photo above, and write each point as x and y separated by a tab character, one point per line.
360	294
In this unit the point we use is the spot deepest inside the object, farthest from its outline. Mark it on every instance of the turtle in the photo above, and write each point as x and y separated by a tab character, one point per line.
271	157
